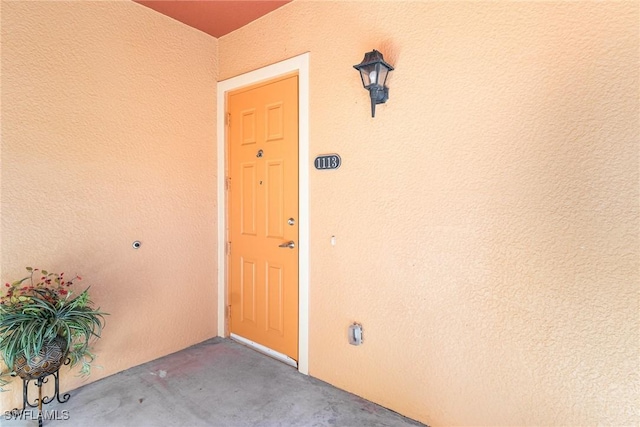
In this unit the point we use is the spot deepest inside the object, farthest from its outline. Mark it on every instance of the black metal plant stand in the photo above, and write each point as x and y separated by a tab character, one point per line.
40	400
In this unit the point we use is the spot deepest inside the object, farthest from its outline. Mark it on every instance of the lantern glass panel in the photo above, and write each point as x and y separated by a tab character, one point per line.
368	74
382	74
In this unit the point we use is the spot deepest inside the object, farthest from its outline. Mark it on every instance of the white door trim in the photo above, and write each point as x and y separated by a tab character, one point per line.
300	64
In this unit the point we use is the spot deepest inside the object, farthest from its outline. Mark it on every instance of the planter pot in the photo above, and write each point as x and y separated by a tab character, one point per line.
46	362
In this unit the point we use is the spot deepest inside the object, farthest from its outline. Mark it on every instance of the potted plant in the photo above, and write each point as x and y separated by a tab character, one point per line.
42	324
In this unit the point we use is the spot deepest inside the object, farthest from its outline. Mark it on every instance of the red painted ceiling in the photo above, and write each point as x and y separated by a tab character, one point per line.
214	17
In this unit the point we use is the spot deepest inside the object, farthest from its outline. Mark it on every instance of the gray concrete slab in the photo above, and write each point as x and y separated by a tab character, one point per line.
215	383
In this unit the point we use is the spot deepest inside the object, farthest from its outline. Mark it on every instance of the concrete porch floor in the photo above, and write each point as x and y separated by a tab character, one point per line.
216	383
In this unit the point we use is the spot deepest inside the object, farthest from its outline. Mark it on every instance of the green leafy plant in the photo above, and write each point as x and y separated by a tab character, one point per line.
40	308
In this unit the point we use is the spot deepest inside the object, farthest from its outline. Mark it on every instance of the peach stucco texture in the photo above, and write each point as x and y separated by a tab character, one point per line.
486	221
108	136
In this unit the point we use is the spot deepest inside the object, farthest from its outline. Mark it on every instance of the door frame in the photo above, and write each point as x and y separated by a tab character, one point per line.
299	64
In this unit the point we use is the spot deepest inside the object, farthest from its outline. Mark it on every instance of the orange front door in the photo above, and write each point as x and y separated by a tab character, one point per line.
263	217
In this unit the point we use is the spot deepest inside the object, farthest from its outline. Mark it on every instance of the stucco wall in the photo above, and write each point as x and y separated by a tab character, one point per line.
108	136
486	220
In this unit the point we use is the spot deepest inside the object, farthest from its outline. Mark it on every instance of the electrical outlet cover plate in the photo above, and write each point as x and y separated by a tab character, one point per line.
355	334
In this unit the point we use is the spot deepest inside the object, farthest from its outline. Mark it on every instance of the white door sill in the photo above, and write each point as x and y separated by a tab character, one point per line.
265	350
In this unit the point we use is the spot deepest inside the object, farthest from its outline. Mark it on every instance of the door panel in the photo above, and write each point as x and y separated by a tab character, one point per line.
275	201
248	291
248	203
248	127
263	194
275	291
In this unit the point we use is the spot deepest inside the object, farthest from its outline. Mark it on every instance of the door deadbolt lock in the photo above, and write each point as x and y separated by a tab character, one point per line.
291	221
260	153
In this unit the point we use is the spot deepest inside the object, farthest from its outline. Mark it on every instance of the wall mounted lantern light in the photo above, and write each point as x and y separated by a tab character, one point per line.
374	71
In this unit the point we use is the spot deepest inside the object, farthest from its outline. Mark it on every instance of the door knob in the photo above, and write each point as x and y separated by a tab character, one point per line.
290	244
